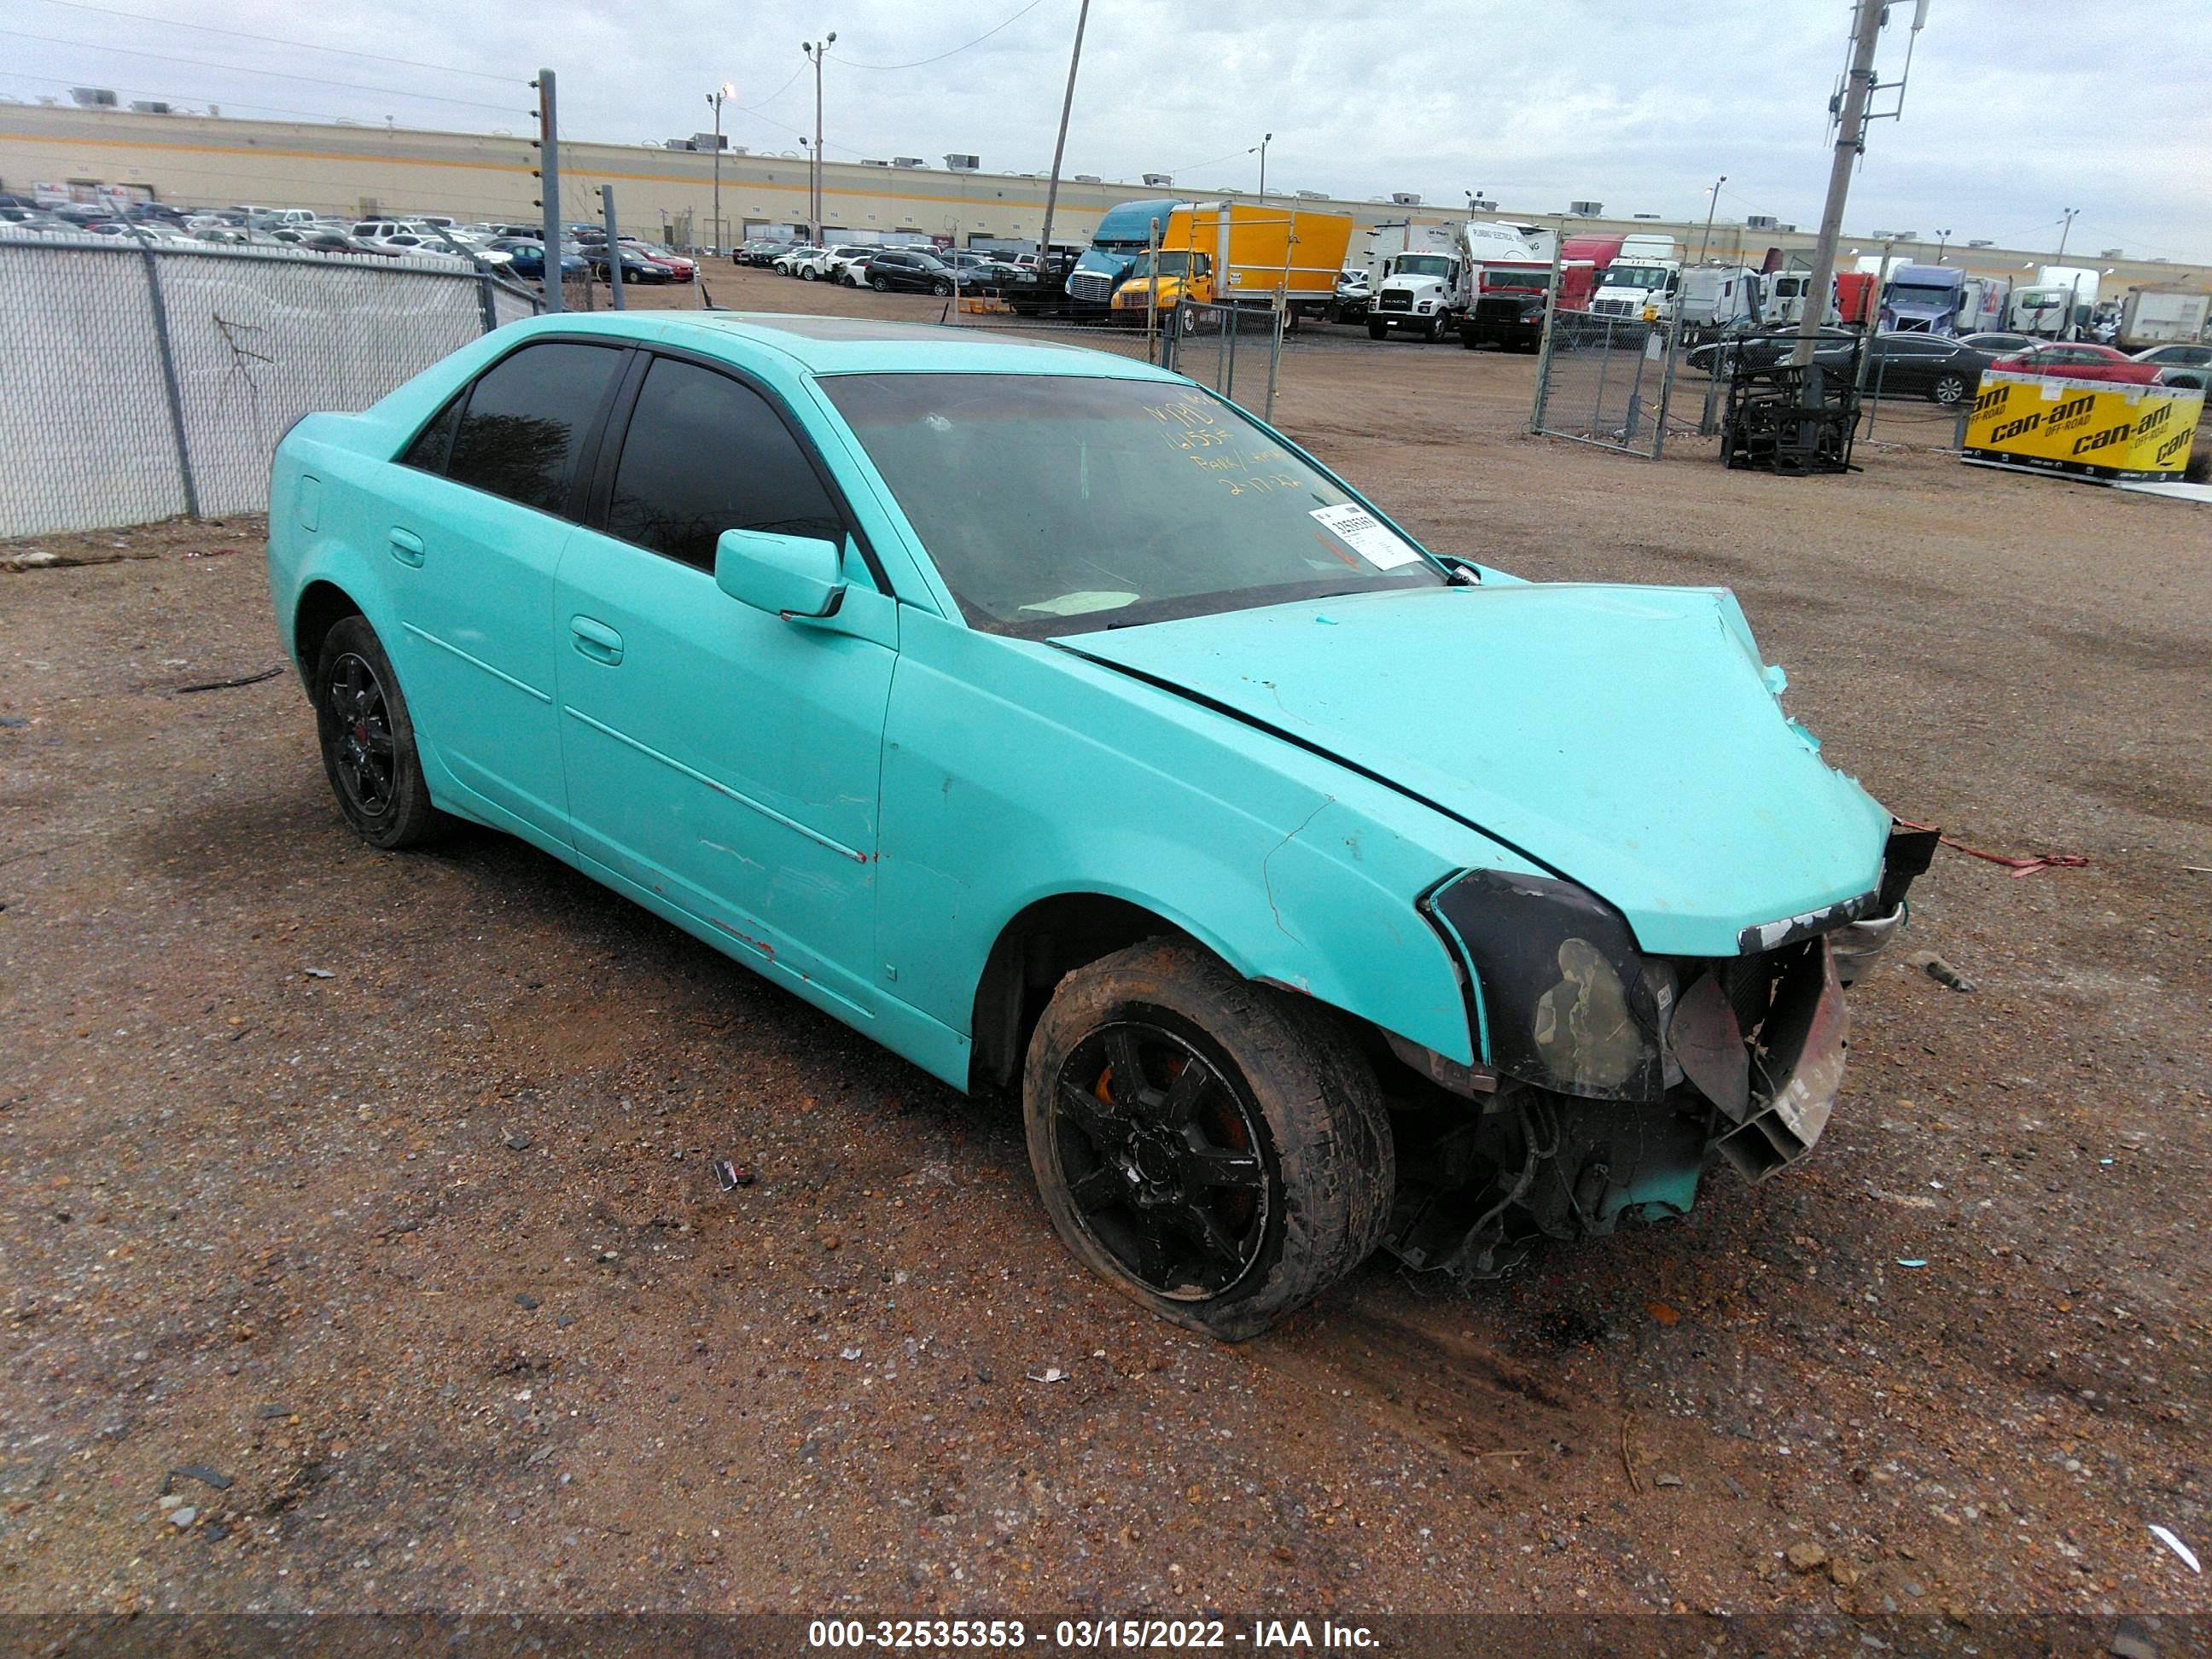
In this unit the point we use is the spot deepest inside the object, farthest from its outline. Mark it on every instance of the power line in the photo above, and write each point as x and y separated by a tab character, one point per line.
275	40
281	75
920	61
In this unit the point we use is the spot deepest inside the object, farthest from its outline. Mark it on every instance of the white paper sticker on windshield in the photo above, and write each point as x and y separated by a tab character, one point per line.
1368	536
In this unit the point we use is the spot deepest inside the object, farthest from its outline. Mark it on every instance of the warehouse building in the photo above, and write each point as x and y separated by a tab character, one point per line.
205	159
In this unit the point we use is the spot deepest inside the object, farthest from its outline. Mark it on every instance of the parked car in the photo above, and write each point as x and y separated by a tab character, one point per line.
337	242
681	268
840	264
2078	359
1996	345
831	671
1930	366
527	259
2177	356
635	267
760	250
798	260
907	269
982	272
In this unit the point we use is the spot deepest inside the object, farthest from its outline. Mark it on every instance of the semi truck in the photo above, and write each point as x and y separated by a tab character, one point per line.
2156	316
1430	286
1123	233
1241	253
2061	299
1512	297
1982	304
1643	280
1922	300
1718	299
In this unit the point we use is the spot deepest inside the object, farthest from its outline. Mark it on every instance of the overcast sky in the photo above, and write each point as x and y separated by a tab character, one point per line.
2017	109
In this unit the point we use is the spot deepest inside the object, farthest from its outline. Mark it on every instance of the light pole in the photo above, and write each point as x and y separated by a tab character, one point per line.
1259	149
2073	289
715	97
816	51
1942	241
1712	202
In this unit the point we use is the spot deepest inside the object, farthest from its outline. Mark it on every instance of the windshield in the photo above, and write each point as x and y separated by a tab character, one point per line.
1173	262
1941	298
1052	504
1424	265
1620	276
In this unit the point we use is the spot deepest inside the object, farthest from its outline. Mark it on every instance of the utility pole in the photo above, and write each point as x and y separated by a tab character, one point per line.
1060	144
549	186
1260	150
1713	202
816	51
715	97
1851	141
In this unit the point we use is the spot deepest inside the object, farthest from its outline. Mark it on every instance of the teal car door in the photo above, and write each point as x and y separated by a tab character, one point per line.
478	513
722	759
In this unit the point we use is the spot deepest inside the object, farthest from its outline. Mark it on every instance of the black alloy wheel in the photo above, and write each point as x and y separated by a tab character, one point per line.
1162	1160
368	740
363	757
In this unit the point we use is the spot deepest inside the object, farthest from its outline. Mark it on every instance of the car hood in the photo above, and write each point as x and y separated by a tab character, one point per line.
1627	737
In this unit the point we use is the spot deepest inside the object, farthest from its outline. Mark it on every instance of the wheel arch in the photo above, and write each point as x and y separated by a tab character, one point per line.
1040	945
322	605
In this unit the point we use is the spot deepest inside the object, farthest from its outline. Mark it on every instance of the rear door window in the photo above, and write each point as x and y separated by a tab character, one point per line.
704	454
526	420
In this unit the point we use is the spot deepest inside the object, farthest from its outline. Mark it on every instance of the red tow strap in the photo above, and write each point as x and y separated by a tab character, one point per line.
2012	866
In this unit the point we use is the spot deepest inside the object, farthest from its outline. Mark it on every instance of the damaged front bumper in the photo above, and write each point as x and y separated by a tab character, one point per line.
1614	1077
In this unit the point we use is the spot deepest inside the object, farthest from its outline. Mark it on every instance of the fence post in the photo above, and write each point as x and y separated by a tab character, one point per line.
1544	346
1667	384
169	372
614	247
1275	355
484	302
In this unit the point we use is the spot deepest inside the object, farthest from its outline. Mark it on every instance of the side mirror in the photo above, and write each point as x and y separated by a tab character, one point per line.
784	576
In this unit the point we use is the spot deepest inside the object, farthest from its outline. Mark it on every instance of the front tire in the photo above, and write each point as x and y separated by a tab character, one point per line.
1215	1150
940	287
1378	331
369	740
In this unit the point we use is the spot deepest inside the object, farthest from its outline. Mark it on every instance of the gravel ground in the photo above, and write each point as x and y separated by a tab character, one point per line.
360	1250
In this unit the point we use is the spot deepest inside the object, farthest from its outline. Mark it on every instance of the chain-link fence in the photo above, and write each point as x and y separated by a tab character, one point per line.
1605	379
150	378
1236	349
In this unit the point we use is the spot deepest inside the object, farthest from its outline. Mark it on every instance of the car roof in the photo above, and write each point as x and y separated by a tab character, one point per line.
856	345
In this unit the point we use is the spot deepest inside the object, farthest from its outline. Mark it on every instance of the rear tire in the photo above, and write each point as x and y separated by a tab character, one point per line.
369	740
1949	389
881	285
1239	1163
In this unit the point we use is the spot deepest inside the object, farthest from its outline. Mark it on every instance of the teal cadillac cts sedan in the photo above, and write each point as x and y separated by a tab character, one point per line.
1079	738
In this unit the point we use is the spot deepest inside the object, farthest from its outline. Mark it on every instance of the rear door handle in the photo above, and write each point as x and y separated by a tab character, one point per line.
407	547
595	640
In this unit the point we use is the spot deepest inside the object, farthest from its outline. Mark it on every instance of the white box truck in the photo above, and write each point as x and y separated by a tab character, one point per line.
2156	316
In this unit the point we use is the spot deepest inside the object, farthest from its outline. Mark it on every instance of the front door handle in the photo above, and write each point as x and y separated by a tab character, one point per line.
407	547
595	640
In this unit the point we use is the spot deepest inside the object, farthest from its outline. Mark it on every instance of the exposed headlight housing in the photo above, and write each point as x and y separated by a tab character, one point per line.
1563	998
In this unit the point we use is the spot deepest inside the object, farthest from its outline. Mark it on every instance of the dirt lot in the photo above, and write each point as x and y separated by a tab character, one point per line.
362	1203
